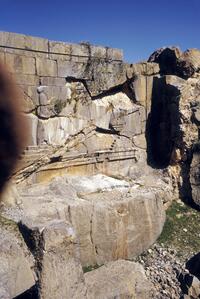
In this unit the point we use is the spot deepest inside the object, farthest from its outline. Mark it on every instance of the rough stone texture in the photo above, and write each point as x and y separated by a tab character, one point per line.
61	273
16	271
111	218
195	176
20	64
21	41
46	67
121	279
91	113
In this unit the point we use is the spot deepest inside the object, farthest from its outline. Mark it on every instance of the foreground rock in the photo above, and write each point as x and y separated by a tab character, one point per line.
111	218
120	279
60	274
16	271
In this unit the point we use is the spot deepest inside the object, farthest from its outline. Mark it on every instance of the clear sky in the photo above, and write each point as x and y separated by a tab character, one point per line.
138	26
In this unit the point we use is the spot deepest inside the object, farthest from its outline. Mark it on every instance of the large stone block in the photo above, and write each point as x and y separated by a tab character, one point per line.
72	69
27	80
24	52
20	64
120	279
29	97
112	220
16	271
80	49
61	273
33	128
114	54
55	131
9	39
46	67
98	52
105	76
53	101
60	48
143	89
142	68
52	81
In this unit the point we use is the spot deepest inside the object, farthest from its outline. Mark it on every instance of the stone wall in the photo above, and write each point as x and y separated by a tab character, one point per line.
82	98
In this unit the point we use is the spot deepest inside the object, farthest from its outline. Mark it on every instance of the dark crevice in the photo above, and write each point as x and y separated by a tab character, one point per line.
32	293
111	130
165	137
125	87
162	128
34	242
55	159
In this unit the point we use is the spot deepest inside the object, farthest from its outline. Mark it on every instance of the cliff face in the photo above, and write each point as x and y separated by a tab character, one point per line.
110	143
83	99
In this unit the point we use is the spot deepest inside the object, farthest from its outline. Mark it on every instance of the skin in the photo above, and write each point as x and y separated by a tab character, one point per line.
13	126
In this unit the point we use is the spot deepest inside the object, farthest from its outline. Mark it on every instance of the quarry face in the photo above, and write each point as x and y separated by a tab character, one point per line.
111	146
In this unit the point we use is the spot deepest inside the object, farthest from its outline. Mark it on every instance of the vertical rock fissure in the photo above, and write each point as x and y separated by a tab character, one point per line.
91	231
34	242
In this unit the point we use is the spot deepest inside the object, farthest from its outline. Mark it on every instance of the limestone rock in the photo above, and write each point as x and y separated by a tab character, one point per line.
61	273
20	64
195	177
33	125
46	67
9	39
16	271
120	279
111	218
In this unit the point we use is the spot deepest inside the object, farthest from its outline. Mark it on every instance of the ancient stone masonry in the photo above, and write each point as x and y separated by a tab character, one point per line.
80	97
110	143
87	111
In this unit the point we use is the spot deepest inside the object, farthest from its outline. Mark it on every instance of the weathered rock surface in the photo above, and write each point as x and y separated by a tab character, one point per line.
60	274
112	218
195	175
121	136
17	264
120	279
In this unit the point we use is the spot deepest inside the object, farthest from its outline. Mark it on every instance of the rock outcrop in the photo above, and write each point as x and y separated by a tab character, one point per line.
195	175
111	144
17	264
121	279
173	61
111	218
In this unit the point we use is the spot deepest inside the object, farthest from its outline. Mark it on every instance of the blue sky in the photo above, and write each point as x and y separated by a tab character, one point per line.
138	27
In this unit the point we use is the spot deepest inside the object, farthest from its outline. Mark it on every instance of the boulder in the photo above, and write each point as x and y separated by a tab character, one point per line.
16	271
111	218
120	279
61	274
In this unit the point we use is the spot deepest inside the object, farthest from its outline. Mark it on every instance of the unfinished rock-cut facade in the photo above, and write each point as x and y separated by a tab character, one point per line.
110	144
